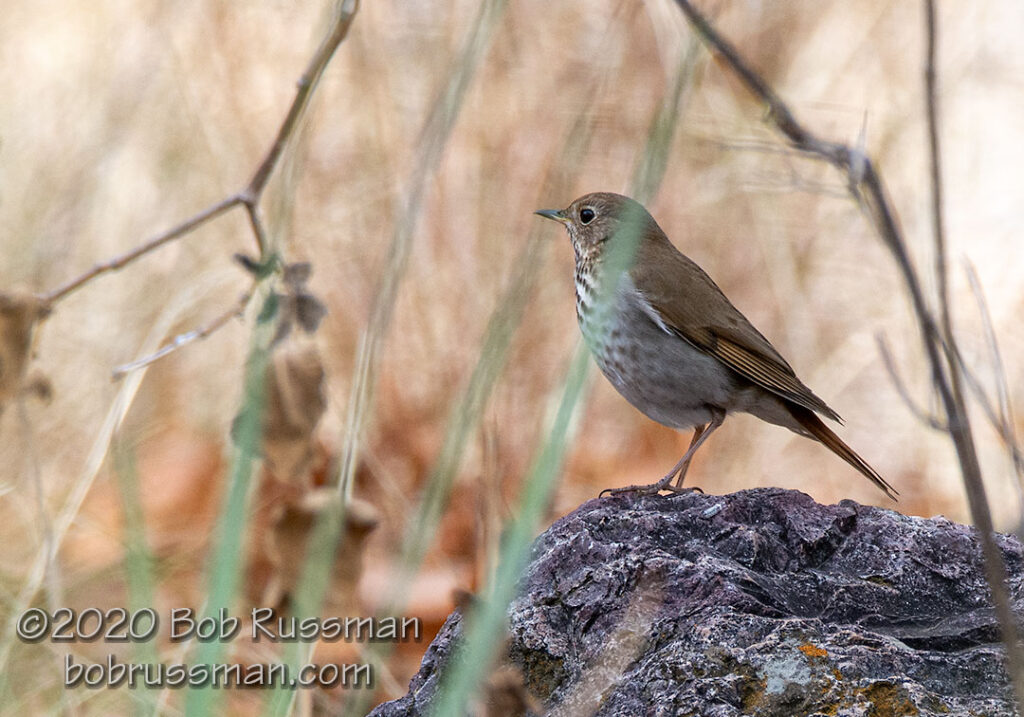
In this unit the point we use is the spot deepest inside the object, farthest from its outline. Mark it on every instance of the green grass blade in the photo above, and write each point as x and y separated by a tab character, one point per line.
432	143
225	568
473	657
321	550
138	563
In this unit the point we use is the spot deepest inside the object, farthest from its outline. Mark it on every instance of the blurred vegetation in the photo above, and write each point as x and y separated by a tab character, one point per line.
120	120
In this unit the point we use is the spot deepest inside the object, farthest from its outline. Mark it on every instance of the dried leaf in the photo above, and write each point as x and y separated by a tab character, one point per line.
295	403
19	314
293	522
297	274
309	311
39	386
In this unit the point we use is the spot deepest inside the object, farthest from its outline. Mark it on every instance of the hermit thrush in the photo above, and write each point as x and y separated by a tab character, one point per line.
671	342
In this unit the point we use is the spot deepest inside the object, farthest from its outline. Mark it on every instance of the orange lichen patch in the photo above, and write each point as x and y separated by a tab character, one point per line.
889	700
752	692
813	650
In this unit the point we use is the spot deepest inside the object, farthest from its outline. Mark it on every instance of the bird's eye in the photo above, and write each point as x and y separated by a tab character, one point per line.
587	215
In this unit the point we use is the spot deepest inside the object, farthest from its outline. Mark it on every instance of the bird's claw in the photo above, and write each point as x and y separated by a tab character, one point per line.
687	489
650	489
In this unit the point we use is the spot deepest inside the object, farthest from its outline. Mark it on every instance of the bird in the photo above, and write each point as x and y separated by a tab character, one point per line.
671	342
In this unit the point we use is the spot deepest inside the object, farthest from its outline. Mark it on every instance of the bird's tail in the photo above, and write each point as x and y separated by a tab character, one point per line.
813	425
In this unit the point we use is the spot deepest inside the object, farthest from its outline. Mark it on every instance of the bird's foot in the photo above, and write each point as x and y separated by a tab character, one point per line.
650	488
687	489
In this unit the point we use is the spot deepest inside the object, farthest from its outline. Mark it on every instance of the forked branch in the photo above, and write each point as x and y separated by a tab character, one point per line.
249	197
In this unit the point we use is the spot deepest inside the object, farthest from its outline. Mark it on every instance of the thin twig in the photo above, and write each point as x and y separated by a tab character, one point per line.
147	246
127	391
958	416
998	369
866	185
184	339
251	195
855	164
252	210
1002	418
1005	431
926	417
306	85
430	148
932	115
64	519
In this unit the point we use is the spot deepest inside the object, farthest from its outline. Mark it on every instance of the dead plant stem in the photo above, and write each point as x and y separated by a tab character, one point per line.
867	187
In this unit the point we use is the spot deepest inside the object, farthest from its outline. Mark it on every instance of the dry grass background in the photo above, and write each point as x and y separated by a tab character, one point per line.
120	118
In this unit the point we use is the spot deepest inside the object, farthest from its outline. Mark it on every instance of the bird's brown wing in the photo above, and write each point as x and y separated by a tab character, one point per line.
696	310
757	366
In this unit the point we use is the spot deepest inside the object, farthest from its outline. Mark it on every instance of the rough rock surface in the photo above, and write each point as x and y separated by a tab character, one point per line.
762	602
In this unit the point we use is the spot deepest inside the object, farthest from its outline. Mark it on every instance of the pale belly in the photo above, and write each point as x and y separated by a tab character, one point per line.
659	373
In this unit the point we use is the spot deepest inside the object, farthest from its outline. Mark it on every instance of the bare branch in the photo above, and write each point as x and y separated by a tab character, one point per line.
306	85
1005	430
147	246
926	417
184	339
256	222
999	370
866	185
251	195
932	114
1002	418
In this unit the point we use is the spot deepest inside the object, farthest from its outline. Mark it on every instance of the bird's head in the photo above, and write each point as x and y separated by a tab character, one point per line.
594	219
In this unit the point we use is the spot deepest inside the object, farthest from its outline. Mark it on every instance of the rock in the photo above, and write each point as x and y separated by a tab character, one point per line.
762	602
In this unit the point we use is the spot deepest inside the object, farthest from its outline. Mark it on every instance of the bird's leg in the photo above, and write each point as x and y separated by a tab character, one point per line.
700	435
679	471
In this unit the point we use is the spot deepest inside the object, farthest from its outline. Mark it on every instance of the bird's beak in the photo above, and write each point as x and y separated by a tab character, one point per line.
557	214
